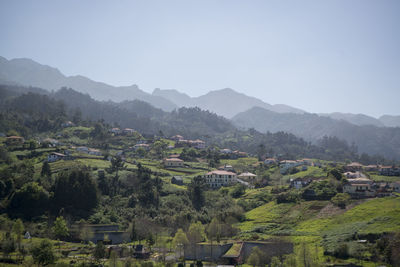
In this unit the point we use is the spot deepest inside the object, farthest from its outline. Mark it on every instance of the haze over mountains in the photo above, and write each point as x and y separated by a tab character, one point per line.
371	135
225	102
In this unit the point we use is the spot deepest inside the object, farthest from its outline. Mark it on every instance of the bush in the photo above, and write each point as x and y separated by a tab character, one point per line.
341	200
287	197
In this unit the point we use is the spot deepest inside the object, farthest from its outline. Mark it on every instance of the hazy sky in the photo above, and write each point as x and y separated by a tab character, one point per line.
321	56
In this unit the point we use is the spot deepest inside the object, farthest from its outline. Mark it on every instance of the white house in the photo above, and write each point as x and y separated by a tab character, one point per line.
128	131
248	176
216	179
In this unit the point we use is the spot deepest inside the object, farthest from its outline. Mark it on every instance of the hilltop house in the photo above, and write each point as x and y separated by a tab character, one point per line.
173	163
94	152
54	156
128	131
106	233
359	188
14	140
353	167
389	171
177	137
216	179
352	174
177	180
395	187
299	183
226	167
115	131
247	176
141	145
270	161
51	142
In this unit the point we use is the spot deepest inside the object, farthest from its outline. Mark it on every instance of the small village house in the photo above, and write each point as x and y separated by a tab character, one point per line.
227	167
14	140
54	156
247	176
141	145
94	152
270	161
178	180
353	167
128	131
173	163
177	137
115	131
299	183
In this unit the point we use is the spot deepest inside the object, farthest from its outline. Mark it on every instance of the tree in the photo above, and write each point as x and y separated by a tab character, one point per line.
60	228
29	201
117	164
76	192
150	239
99	251
113	259
42	253
196	192
133	235
46	170
254	258
214	232
7	245
195	234
18	230
180	240
341	199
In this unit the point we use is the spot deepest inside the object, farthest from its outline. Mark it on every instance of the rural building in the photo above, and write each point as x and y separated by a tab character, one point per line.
270	161
115	131
389	171
227	167
178	180
52	157
94	152
235	253
141	145
352	174
353	167
14	140
128	131
299	183
173	163
247	176
107	233
177	137
67	124
216	179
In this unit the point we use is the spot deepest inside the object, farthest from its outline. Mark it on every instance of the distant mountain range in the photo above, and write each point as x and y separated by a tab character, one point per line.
312	127
371	135
225	102
27	72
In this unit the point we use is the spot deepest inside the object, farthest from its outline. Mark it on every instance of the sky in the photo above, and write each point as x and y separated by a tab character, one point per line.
320	56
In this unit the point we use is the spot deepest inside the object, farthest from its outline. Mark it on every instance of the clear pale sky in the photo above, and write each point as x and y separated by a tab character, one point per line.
321	56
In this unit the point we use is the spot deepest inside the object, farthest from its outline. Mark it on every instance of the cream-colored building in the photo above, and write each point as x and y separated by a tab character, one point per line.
218	178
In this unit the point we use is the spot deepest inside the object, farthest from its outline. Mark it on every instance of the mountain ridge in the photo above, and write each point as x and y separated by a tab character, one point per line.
225	102
27	72
368	138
